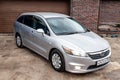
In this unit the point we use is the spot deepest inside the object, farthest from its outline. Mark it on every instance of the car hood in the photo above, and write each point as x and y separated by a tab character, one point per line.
89	41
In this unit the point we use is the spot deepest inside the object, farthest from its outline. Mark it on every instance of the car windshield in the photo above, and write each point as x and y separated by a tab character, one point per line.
65	26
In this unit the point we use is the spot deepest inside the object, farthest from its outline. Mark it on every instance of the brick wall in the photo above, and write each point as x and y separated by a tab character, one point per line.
86	11
110	11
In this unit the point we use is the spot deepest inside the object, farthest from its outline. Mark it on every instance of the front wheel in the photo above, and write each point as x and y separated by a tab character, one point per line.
57	60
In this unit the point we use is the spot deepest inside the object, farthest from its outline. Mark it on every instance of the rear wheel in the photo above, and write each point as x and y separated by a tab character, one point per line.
19	41
57	60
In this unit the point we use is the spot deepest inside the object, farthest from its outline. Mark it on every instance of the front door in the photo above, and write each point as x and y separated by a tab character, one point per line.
41	41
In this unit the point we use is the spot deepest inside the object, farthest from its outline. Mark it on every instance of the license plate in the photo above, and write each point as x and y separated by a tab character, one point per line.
103	61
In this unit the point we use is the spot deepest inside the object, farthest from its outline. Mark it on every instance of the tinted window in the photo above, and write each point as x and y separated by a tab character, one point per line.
28	20
40	24
20	19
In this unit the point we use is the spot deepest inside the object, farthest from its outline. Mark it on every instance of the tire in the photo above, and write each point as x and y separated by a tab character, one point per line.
19	41
57	60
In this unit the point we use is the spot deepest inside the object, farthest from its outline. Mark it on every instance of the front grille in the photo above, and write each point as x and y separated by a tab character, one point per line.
95	66
99	55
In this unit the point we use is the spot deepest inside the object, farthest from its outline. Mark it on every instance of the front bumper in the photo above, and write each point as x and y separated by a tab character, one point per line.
75	64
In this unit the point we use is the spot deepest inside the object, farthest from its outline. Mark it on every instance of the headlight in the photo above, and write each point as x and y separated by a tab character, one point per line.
73	52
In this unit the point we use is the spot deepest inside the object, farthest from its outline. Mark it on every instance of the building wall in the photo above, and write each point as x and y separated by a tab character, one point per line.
110	11
86	11
90	13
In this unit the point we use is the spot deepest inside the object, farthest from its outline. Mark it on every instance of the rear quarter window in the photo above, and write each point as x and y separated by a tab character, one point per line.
20	19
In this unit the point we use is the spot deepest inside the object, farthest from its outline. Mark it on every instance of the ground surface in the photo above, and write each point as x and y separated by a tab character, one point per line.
23	64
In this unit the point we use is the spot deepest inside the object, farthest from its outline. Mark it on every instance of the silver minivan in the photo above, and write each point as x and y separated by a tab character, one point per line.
63	41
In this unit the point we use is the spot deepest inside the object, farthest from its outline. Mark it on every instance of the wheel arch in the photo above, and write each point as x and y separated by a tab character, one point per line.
16	34
52	50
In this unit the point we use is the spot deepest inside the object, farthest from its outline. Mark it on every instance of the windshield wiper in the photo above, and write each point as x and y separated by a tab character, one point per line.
67	33
74	32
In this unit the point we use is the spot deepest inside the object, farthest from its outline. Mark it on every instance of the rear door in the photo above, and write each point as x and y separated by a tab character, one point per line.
27	30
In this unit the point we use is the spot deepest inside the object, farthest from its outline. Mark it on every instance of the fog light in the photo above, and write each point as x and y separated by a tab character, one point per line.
77	67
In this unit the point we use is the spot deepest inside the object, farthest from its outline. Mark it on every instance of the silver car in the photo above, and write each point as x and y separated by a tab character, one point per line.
63	41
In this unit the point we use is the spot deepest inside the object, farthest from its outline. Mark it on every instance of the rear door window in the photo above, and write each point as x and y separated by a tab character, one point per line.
20	19
28	20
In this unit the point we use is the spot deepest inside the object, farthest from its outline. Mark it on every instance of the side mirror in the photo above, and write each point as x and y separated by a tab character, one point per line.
40	31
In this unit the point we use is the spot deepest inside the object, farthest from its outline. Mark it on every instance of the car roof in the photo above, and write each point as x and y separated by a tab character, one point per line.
45	14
